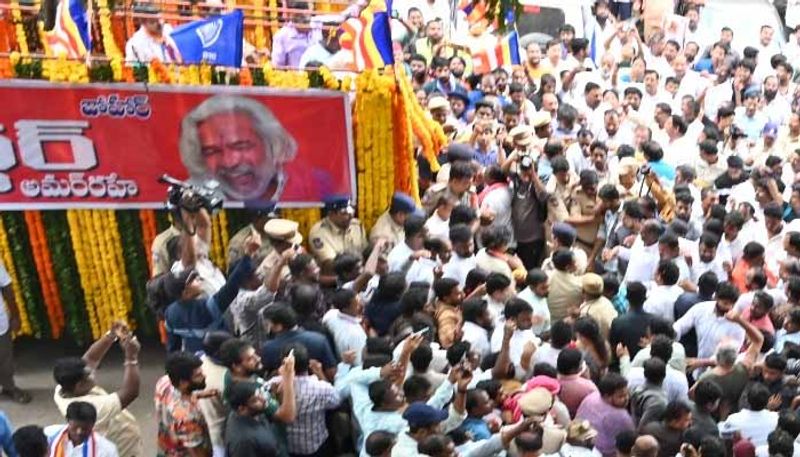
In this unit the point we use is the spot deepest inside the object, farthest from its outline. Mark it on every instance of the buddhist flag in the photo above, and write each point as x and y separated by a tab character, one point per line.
70	36
369	36
505	53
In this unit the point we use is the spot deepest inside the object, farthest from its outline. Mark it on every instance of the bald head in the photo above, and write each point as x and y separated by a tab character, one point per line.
645	446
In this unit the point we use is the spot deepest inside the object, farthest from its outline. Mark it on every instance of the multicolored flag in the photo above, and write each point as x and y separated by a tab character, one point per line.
70	36
505	53
216	40
369	36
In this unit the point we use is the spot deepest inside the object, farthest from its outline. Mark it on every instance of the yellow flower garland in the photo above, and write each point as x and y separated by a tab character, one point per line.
8	262
109	44
22	40
98	254
258	15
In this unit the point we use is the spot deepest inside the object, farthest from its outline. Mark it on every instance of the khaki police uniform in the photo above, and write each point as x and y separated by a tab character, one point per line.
582	205
437	191
159	253
237	242
326	240
385	227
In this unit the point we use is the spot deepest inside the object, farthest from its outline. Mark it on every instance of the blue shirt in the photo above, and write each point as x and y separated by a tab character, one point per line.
5	436
188	321
317	345
477	428
663	170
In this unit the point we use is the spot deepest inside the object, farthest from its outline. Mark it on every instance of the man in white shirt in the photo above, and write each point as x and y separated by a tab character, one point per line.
756	422
709	321
661	298
705	258
536	296
519	313
77	438
344	323
774	252
477	321
410	257
675	384
462	261
643	256
151	41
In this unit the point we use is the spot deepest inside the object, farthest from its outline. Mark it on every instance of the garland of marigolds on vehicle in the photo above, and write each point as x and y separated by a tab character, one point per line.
76	271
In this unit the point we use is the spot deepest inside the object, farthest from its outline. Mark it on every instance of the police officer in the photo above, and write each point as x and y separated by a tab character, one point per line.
458	188
390	225
285	240
583	210
236	244
456	152
160	258
336	233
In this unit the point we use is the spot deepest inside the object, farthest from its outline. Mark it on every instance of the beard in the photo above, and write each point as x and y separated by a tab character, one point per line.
260	180
195	386
770	95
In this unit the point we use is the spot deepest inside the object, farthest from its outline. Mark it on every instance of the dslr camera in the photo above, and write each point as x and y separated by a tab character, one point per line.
191	197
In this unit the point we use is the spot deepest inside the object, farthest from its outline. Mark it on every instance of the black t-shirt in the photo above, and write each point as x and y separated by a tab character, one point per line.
249	437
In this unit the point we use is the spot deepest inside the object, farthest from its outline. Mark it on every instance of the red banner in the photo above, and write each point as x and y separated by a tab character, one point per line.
105	146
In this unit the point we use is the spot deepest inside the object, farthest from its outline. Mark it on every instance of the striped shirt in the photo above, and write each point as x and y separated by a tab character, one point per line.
308	431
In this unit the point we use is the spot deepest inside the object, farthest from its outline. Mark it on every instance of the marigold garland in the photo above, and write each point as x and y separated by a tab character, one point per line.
149	232
258	15
67	280
19	29
44	268
8	262
20	248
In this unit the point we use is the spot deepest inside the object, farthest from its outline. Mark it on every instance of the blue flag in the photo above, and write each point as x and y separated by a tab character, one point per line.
216	40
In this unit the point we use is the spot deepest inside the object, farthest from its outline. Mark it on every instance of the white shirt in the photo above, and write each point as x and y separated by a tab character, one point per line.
547	354
142	47
438	227
458	268
420	270
675	384
715	96
5	281
661	301
781	338
774	253
517	343
478	338
540	308
104	447
643	261
716	265
711	329
498	201
348	334
754	425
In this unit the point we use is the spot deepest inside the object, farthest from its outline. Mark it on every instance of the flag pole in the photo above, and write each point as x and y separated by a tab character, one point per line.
90	13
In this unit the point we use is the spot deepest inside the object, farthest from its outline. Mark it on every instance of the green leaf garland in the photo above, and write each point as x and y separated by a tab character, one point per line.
19	243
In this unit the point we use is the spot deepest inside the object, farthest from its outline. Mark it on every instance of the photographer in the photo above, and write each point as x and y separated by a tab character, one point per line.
192	314
528	208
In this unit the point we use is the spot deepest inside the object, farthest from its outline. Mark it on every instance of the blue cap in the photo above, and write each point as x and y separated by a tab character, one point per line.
337	202
752	91
460	92
564	232
770	129
419	414
460	151
403	203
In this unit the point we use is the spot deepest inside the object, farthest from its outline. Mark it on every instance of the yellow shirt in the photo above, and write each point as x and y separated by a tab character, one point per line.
385	227
160	255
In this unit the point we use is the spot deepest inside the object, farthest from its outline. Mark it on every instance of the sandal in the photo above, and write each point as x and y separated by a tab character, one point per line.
18	395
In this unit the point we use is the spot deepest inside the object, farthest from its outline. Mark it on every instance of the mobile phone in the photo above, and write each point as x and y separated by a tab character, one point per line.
421	332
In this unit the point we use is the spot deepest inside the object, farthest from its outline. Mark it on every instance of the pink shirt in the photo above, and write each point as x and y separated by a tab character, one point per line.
574	389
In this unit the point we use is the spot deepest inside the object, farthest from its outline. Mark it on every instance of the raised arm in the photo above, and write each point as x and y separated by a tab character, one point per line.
130	378
753	334
287	412
97	351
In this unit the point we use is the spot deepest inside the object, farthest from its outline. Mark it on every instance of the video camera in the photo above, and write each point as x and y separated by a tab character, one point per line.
191	197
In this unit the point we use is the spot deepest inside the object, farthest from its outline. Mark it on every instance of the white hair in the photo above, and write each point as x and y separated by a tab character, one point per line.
282	146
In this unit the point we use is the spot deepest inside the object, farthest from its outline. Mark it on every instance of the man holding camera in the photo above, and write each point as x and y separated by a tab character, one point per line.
528	207
194	311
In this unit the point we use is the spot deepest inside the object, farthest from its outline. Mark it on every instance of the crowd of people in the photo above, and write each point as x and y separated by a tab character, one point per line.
606	264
